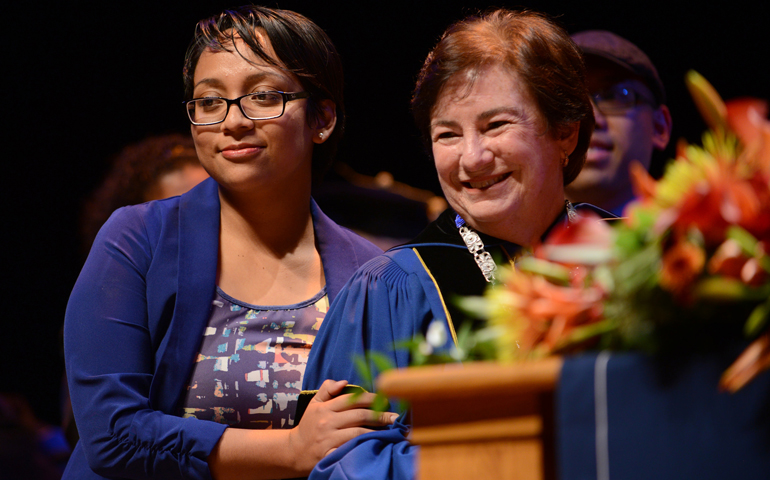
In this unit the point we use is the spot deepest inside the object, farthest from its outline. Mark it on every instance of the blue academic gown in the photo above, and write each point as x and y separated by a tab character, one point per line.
391	298
133	326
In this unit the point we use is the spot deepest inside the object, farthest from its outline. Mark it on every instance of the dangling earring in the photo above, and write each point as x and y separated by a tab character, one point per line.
565	160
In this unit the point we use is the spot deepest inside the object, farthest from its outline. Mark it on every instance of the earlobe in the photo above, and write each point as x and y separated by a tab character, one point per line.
661	119
326	121
568	137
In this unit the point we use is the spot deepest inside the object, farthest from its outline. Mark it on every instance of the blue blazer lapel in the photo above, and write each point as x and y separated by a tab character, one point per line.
338	254
197	269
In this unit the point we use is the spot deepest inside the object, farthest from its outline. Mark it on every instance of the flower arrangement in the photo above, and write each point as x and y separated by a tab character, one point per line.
688	265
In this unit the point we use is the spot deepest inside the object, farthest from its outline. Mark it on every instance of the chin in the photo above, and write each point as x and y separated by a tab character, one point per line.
490	216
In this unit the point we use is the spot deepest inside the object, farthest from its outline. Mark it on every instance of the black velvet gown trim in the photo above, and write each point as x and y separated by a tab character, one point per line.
444	253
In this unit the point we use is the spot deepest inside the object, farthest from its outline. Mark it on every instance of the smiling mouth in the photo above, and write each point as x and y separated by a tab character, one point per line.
486	183
600	144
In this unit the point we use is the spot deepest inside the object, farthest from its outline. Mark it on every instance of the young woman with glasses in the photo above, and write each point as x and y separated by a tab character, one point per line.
188	330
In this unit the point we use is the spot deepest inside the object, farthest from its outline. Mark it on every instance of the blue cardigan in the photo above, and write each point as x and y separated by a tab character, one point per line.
134	323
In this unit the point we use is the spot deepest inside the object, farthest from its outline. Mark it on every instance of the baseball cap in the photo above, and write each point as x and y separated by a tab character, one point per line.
617	49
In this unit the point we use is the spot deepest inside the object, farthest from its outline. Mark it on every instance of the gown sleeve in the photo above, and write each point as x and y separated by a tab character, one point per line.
380	305
110	353
388	300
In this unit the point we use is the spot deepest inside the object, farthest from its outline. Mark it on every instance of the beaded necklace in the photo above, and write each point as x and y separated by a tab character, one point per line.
476	246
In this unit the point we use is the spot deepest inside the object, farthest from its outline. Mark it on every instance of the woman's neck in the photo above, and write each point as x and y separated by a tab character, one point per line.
524	229
274	222
267	252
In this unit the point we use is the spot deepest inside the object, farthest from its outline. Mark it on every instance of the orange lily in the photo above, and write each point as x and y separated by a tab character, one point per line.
753	361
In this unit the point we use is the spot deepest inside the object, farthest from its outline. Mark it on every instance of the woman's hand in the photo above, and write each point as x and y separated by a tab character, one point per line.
332	419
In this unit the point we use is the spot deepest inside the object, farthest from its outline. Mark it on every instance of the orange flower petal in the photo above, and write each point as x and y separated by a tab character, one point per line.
728	260
682	263
642	183
744	117
753	360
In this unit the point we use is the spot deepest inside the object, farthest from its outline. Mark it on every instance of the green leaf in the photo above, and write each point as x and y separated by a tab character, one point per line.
363	369
478	307
381	362
579	254
639	271
551	271
581	334
746	240
729	289
708	101
758	319
603	277
380	403
750	245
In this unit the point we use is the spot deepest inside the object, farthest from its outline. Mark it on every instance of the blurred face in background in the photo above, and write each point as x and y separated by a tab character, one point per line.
621	135
176	182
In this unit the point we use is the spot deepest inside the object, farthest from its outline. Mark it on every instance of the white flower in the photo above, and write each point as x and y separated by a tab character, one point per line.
436	335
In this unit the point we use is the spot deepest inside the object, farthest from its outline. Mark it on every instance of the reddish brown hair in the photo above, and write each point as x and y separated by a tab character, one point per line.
528	43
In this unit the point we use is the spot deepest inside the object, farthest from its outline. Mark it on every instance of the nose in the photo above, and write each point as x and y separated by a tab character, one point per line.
601	120
476	155
235	119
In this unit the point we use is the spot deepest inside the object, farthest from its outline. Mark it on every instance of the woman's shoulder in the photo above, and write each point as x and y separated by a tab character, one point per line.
391	270
144	215
199	205
364	248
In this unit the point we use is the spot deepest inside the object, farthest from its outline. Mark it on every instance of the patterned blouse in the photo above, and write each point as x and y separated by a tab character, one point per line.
249	371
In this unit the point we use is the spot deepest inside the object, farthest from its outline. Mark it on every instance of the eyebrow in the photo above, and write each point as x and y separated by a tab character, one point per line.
516	112
253	78
485	115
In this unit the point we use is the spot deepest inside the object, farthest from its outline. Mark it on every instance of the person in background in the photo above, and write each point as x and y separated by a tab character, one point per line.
153	168
503	108
29	448
632	119
187	332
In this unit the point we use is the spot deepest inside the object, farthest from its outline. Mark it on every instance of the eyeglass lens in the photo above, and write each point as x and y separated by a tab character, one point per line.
618	98
255	106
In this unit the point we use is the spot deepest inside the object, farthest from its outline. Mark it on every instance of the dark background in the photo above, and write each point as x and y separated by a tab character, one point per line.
85	79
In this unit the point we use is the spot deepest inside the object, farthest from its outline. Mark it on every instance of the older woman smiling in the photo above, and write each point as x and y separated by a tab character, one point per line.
504	111
498	164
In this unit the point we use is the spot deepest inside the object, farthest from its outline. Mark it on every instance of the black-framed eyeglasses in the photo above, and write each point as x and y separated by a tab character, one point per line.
254	106
619	99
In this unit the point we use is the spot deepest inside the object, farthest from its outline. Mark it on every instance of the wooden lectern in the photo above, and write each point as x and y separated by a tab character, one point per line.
480	420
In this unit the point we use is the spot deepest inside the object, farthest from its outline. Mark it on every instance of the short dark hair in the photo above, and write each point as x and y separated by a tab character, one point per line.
302	49
526	42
